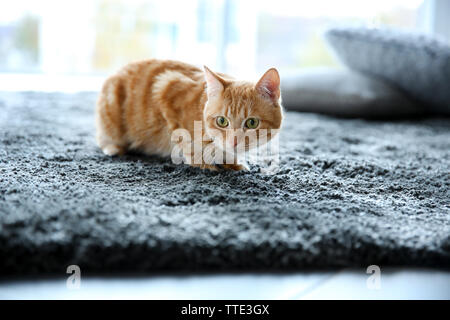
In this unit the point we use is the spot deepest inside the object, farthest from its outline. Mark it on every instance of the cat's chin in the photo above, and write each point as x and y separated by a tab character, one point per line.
234	150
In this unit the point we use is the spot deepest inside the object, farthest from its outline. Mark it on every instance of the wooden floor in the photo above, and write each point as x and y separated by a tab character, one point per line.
345	284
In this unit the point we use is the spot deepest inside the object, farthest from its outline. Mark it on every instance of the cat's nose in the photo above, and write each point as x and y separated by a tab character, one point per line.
235	142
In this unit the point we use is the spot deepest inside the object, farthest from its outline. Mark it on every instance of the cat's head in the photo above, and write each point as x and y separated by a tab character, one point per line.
238	111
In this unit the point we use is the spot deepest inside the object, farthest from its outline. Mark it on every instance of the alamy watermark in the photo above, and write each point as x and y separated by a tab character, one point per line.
74	280
229	146
374	281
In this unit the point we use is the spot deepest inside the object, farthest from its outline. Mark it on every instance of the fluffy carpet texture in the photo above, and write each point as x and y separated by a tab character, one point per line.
348	193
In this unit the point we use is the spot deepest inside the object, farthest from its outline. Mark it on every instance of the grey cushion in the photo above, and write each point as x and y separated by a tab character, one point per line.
341	92
417	64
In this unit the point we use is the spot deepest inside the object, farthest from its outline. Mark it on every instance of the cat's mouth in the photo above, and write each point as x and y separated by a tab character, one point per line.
237	149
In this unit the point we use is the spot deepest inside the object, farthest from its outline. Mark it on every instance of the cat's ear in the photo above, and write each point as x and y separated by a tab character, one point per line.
269	84
214	83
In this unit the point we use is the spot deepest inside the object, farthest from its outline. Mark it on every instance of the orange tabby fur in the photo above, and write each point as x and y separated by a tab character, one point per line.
140	106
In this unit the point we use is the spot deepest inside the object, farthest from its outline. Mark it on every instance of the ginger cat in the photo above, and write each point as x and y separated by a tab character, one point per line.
145	103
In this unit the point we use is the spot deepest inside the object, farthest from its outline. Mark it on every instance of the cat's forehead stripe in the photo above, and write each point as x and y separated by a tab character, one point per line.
236	106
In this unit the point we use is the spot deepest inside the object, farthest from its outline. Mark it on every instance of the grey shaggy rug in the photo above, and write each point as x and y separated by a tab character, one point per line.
348	193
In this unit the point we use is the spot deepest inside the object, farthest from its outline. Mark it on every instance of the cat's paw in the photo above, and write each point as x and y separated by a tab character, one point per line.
206	167
112	150
235	167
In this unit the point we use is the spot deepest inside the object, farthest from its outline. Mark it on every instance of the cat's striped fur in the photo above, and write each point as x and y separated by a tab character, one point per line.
140	106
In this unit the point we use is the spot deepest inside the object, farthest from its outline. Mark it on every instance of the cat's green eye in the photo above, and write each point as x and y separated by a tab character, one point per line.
252	123
222	122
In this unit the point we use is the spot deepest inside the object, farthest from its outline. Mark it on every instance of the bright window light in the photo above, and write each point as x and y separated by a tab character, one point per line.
96	37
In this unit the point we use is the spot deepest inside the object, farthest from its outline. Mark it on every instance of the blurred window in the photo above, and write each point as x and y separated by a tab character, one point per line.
98	36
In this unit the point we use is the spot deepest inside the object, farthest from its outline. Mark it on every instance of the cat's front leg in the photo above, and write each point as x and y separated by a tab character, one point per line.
195	156
206	166
231	161
211	156
235	167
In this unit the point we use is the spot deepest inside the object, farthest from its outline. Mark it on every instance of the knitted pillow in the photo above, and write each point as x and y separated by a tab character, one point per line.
415	63
341	92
